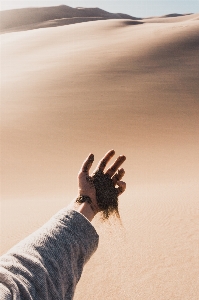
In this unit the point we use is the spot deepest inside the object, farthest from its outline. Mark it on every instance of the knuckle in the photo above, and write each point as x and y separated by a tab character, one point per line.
113	169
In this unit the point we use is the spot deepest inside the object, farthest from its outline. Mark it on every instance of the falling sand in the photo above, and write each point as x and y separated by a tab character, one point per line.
68	91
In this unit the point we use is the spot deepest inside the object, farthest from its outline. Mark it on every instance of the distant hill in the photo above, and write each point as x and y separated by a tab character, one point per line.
175	15
30	18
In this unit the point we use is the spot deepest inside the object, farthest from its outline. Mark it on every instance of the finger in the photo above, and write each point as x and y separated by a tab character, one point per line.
121	187
119	161
87	164
102	164
118	176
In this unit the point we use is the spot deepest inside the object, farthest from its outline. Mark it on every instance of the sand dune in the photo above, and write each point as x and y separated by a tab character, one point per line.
71	90
172	18
41	17
175	15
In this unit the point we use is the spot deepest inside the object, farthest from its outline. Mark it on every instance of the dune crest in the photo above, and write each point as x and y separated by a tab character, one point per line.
172	18
42	17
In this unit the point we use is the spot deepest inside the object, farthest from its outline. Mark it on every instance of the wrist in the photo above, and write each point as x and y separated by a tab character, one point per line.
87	206
86	210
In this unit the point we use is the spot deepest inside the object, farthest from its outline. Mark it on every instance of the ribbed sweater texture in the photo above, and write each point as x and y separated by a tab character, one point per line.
48	264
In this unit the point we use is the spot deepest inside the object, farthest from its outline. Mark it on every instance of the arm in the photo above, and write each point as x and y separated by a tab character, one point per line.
48	264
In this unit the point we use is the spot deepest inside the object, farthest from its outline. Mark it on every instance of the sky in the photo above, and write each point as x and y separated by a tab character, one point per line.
137	8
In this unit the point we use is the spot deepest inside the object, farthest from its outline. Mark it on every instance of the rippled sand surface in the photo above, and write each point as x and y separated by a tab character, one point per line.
71	90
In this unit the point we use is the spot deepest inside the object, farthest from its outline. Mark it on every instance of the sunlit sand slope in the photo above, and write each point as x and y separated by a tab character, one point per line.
71	90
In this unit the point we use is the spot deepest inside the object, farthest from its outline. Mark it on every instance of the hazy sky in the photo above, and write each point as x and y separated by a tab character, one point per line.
138	8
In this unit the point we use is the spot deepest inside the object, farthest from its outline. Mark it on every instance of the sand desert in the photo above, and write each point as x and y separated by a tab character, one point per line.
119	83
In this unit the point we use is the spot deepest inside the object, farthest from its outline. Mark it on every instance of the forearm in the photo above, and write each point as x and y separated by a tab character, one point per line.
49	263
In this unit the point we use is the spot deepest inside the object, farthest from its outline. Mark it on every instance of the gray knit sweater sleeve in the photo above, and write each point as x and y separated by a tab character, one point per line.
48	264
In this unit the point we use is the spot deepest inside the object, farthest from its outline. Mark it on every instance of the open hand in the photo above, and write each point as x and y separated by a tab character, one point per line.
101	185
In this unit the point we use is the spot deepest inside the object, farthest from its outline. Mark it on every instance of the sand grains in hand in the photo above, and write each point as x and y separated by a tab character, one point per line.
107	194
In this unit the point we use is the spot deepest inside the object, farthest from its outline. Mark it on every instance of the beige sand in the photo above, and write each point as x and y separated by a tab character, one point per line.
71	90
42	17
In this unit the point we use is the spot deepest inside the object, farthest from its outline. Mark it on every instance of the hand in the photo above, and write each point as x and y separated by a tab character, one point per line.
101	186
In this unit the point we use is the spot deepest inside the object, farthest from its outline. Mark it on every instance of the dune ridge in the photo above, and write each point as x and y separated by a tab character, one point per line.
31	18
43	17
175	15
173	18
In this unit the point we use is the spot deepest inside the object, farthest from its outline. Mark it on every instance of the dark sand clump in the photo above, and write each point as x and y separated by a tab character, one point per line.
107	194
